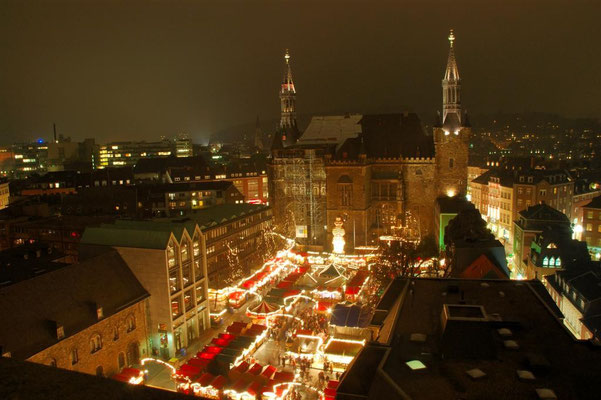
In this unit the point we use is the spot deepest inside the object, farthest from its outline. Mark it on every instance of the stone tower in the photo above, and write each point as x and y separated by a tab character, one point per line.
287	97
451	133
287	133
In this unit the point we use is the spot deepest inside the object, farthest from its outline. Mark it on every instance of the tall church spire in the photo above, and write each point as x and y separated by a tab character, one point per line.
287	97
451	86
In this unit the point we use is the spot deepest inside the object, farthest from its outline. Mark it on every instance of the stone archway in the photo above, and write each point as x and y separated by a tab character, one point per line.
133	353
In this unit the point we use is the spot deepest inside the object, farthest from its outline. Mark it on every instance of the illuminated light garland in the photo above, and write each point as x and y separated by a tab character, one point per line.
251	348
205	391
339	358
145	360
219	314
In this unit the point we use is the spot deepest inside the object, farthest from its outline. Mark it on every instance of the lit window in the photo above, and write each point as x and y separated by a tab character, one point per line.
545	261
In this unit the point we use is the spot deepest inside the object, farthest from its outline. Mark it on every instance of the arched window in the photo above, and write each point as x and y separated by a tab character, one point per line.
95	343
345	187
74	356
52	362
545	262
121	360
451	162
131	323
552	262
116	333
558	262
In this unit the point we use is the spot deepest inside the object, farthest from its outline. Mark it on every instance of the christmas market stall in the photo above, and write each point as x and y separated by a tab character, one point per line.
355	285
342	351
351	320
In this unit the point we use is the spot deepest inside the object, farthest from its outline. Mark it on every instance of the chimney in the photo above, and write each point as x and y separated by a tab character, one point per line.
4	353
60	330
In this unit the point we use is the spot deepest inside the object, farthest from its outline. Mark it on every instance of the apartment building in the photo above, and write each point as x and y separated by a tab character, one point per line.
168	258
588	226
500	194
531	222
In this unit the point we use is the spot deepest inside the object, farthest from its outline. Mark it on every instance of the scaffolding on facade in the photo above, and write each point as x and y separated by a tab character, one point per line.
300	183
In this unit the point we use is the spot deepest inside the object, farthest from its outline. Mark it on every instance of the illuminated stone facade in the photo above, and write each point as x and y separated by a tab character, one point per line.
377	169
122	340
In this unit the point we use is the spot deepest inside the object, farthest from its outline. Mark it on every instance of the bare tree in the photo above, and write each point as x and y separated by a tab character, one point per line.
405	259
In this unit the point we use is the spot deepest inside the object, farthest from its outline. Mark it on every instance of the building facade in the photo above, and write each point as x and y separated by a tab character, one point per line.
588	227
578	296
233	239
531	222
119	154
500	194
4	193
88	317
169	260
381	172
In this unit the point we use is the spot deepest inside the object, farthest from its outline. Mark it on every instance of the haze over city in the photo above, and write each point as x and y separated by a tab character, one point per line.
300	200
139	70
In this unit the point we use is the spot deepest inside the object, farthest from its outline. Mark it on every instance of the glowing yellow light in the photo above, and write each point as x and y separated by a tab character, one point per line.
451	192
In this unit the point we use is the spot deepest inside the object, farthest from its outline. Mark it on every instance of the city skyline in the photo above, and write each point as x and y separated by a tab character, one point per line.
108	71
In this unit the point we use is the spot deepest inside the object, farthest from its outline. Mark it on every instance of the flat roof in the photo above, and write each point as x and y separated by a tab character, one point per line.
544	346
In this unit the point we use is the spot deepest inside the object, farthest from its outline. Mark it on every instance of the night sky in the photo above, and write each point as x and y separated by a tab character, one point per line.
138	70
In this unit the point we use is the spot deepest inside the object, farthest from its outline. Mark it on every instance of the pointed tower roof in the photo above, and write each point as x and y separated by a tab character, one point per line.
452	72
287	82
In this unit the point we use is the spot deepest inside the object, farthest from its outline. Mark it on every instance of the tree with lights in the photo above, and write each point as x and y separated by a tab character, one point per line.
235	267
403	258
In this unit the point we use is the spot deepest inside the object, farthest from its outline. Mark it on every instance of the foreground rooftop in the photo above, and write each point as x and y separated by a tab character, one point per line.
454	328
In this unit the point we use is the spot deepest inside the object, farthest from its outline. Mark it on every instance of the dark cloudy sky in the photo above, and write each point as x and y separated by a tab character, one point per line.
137	70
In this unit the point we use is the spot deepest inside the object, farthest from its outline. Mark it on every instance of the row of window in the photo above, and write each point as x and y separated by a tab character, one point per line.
589	227
591	214
96	340
178	307
551	262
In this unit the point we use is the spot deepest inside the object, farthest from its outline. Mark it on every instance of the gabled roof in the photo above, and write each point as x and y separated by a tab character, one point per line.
69	297
395	135
331	129
594	203
484	268
330	272
544	212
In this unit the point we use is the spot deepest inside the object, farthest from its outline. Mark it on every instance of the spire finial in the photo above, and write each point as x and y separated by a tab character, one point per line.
287	56
451	37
